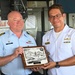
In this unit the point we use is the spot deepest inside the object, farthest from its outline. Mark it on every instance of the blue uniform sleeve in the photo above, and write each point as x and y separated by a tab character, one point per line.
1	48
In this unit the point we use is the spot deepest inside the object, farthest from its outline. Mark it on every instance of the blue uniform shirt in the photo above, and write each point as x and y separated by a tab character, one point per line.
8	43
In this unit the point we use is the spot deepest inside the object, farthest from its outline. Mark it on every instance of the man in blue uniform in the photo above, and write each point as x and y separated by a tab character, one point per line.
60	43
11	46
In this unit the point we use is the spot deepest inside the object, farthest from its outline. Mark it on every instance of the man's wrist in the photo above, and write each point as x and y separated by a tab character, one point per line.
57	65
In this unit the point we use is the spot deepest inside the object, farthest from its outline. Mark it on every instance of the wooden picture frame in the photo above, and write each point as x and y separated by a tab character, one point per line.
34	56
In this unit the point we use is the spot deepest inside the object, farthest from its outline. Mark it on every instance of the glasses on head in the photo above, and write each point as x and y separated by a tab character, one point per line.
56	16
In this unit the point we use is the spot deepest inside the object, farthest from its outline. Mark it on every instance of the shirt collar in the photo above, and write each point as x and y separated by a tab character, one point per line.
24	33
11	33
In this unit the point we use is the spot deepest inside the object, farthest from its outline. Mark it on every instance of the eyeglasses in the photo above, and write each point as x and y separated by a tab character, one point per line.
56	16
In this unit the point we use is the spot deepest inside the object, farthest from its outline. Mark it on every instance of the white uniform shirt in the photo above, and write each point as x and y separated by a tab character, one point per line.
60	48
8	43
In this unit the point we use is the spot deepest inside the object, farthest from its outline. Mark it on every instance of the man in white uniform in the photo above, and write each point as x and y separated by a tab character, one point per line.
60	43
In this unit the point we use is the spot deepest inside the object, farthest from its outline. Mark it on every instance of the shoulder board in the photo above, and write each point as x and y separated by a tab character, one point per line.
2	33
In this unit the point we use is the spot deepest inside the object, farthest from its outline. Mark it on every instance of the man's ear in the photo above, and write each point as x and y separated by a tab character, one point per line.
64	15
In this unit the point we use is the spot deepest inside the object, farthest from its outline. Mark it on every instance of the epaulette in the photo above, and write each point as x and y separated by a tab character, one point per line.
2	33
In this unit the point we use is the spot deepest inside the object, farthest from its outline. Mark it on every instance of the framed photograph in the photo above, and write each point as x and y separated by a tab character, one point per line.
34	56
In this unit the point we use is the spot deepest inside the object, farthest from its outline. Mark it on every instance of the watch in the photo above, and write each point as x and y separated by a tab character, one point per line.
57	65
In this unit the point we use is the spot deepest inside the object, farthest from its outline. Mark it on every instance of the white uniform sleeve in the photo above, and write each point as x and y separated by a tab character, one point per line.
73	43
